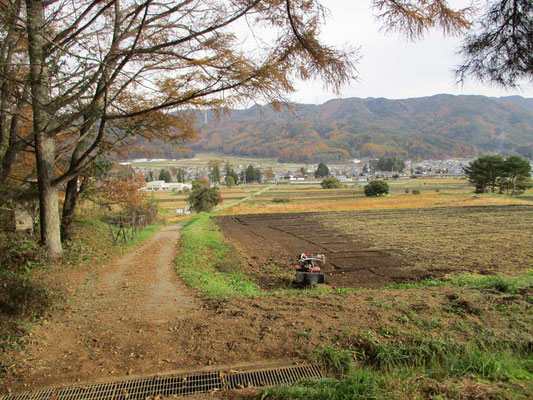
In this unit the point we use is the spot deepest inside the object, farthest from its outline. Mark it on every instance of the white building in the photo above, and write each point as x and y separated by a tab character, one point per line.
156	186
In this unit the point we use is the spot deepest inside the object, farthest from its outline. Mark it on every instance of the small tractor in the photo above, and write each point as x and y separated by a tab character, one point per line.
308	272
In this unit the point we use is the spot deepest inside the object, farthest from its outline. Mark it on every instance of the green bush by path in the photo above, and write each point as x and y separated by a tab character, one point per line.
205	260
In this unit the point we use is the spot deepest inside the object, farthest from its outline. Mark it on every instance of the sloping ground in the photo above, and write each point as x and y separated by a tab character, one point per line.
261	329
103	333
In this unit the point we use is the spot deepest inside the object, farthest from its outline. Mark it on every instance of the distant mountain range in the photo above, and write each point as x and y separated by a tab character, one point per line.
438	126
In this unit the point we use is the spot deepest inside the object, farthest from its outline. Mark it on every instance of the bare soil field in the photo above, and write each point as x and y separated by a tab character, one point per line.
380	247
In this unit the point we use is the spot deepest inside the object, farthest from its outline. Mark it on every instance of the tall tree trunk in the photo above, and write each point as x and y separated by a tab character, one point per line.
44	143
72	193
69	207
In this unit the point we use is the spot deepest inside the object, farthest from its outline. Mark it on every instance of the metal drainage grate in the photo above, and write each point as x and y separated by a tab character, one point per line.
271	377
174	385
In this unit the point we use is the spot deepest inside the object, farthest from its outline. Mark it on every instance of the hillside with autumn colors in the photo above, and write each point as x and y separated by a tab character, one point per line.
429	127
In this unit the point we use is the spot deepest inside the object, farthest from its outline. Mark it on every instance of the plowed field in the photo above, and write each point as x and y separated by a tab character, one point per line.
375	248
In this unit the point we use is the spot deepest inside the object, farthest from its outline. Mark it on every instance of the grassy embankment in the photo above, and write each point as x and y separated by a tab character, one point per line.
418	368
29	291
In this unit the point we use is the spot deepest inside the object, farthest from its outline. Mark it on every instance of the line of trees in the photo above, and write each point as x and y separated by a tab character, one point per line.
389	164
493	173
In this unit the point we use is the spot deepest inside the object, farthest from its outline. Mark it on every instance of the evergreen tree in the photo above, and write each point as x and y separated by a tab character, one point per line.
215	174
203	197
258	174
230	182
164	175
251	174
389	164
229	171
322	171
180	176
515	169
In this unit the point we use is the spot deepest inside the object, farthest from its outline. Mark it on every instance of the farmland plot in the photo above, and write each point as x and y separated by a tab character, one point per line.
380	247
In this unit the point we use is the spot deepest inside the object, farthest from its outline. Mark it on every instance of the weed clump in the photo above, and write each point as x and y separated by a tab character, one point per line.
281	200
336	360
361	384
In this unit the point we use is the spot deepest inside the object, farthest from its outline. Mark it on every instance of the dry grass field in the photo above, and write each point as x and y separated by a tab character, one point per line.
434	192
430	199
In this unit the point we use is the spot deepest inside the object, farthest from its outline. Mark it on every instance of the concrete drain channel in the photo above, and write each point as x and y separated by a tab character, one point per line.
175	385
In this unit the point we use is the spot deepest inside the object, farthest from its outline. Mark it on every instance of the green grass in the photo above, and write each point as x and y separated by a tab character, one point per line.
207	262
361	385
338	361
414	367
500	283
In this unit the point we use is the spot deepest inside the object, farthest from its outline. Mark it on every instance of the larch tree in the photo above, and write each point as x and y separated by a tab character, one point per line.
86	75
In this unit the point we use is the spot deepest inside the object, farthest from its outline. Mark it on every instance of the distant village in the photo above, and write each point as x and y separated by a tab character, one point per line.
355	172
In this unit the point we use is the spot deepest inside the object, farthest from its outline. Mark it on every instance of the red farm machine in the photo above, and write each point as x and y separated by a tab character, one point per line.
308	271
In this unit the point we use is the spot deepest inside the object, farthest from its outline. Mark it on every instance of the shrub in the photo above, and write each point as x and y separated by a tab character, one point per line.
204	198
415	191
20	297
281	200
331	183
376	188
19	253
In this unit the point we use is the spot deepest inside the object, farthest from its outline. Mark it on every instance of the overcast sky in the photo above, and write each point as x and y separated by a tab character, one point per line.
391	66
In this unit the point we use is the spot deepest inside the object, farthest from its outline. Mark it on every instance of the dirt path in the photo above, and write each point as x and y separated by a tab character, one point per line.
142	284
122	319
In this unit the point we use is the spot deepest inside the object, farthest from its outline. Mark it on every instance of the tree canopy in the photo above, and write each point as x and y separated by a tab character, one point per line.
331	183
376	188
203	197
492	171
389	164
164	175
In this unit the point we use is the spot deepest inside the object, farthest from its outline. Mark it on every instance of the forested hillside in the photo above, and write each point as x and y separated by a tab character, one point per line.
429	127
